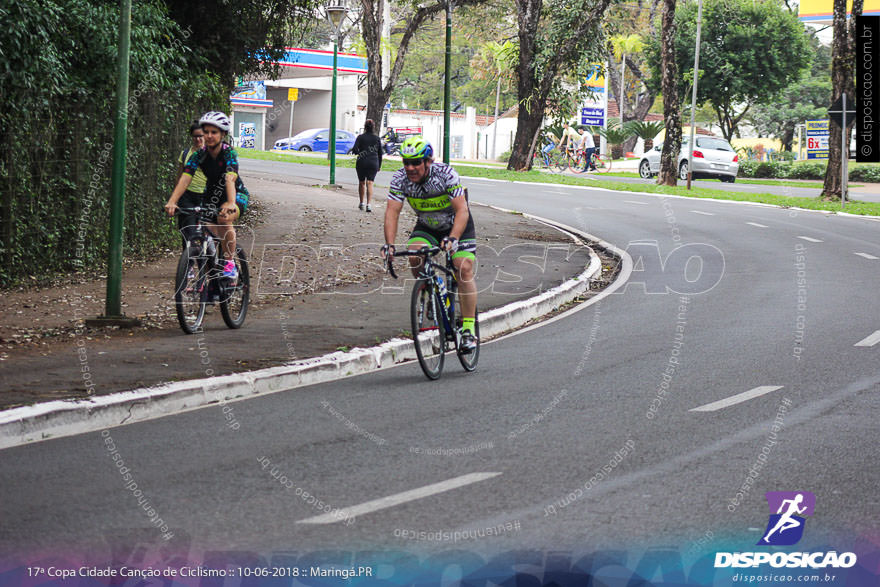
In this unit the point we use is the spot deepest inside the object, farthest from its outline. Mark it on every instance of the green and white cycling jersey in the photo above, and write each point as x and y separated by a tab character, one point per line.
432	198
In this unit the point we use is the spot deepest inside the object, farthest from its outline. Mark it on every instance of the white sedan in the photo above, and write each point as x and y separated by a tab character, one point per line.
713	157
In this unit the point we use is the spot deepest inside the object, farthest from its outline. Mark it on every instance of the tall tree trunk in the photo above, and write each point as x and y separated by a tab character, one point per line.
842	80
531	113
671	106
528	125
371	29
643	102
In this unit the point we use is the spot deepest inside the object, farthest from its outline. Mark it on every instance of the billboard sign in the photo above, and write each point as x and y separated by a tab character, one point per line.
817	139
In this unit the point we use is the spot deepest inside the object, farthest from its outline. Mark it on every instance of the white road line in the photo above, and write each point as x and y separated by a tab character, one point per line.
810	239
398	498
869	341
756	224
703	213
867	256
736	399
635	202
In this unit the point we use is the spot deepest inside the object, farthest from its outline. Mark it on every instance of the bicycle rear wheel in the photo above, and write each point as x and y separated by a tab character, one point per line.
428	331
234	298
190	293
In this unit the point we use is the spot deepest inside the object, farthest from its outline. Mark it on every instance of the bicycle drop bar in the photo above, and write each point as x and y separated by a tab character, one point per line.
423	252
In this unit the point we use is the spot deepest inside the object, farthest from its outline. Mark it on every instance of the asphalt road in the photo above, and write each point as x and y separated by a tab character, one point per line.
579	434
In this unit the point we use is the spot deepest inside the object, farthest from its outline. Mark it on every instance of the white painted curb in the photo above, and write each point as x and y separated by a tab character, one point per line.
64	418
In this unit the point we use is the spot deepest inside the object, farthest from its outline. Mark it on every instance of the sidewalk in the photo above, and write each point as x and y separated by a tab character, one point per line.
317	287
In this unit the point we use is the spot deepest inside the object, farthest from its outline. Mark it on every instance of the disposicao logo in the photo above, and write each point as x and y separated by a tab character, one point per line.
788	510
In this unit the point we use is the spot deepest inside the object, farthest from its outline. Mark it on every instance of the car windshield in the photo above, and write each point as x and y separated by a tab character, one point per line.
713	143
304	134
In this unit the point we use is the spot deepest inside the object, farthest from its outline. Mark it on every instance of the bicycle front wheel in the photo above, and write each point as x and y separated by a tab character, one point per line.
190	291
468	360
234	298
602	163
557	163
428	331
576	164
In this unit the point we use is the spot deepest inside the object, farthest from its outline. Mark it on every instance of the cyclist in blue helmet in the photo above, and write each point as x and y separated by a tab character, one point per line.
433	189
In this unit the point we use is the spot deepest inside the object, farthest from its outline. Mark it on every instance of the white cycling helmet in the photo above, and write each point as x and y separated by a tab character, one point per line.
217	119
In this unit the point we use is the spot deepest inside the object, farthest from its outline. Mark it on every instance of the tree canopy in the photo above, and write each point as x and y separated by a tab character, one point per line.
558	40
750	51
806	99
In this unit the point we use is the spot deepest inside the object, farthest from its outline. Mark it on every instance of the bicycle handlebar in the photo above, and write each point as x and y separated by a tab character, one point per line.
423	252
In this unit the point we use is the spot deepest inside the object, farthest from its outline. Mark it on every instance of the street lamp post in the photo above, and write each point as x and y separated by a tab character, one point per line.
694	96
447	82
336	12
113	315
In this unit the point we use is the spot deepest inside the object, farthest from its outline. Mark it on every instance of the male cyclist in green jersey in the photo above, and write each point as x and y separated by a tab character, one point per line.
434	191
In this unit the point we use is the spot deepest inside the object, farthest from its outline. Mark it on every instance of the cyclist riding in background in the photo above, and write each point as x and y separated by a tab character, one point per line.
219	163
193	195
550	142
570	138
434	191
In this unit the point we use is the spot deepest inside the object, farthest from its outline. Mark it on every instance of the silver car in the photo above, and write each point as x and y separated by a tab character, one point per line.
713	157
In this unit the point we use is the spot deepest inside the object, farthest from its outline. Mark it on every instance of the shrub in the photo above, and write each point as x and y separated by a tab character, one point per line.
505	156
866	173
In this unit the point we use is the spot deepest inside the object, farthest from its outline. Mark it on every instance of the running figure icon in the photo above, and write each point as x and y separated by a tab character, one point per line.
786	525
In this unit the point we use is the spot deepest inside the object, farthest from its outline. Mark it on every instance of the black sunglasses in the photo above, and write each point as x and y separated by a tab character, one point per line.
412	162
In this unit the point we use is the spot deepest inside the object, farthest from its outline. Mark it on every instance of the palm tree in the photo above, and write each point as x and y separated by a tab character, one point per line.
623	44
496	60
615	135
646	131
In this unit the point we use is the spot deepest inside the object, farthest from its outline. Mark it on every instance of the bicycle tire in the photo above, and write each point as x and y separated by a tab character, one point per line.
576	164
469	360
234	300
559	163
189	290
602	163
428	332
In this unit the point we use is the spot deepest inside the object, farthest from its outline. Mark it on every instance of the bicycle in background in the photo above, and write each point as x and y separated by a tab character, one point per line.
199	280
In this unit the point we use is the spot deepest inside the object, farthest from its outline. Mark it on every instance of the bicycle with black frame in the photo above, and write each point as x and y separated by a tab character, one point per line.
200	281
435	313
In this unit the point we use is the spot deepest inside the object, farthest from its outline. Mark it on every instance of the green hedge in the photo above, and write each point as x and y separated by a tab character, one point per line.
57	88
866	172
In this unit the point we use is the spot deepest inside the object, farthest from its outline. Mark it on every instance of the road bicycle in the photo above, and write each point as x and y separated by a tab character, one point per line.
199	280
601	163
550	161
435	312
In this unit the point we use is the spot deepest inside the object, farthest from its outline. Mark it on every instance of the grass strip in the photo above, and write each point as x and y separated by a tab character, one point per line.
852	207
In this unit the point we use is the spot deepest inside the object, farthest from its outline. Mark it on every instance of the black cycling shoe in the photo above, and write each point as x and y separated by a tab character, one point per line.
468	343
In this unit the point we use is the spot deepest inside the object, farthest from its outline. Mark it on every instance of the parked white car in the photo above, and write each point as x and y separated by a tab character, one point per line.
713	157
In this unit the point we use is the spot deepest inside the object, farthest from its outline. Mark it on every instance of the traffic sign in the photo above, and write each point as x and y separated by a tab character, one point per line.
293	94
836	110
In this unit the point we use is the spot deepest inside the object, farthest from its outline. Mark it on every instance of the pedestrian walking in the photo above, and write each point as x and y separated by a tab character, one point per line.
368	148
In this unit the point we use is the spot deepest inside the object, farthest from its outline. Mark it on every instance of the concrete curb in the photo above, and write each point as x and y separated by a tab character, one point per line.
54	419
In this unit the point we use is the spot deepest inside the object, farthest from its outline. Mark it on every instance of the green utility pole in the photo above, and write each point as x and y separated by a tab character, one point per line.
113	315
447	82
333	113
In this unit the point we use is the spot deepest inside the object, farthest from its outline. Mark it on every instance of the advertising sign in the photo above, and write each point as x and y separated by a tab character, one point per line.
247	135
594	109
817	139
594	116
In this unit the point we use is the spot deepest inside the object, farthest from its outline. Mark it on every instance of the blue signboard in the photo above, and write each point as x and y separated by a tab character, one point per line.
594	116
817	139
